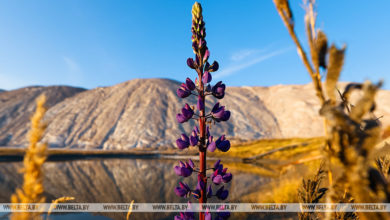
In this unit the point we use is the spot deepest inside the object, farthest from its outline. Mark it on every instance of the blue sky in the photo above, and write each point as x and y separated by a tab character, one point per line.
90	43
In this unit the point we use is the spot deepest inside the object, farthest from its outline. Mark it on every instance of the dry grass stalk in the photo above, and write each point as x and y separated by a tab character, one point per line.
130	210
35	156
351	135
59	200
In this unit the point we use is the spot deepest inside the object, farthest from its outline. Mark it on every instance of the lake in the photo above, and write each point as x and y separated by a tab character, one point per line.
120	181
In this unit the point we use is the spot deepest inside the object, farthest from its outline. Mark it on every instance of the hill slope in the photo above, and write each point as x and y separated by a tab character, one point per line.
17	106
141	114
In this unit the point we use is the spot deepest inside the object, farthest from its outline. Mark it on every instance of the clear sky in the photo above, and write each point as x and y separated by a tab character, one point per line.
90	43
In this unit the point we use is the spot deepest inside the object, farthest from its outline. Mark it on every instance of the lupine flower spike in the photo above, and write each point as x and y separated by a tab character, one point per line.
200	136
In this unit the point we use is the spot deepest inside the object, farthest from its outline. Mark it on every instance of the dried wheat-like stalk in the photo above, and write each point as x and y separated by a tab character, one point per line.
130	210
35	156
59	200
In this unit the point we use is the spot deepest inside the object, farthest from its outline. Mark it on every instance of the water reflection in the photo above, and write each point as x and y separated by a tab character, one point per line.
117	180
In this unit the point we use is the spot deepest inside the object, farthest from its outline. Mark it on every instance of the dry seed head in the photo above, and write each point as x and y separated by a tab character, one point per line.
284	10
366	102
321	48
335	65
35	156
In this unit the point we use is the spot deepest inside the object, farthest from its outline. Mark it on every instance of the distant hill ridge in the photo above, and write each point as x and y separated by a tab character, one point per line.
140	113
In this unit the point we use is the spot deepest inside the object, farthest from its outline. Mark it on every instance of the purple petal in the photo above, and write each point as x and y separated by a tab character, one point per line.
180	118
218	90
185	138
225	116
211	147
224	146
187	113
190	84
227	177
183	93
193	140
219	112
191	163
206	78
185	172
184	186
214	67
206	56
181	192
191	63
178	170
222	194
216	107
216	165
208	88
182	144
217	179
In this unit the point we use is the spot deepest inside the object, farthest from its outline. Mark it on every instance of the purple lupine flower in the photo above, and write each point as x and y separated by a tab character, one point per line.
206	55
218	90
211	68
191	63
191	163
183	142
184	170
211	146
222	193
217	164
202	88
183	91
208	88
220	174
222	144
219	114
227	177
186	115
183	190
196	193
206	78
190	85
217	179
194	138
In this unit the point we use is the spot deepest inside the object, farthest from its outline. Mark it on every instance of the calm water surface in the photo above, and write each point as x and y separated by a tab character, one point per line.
118	181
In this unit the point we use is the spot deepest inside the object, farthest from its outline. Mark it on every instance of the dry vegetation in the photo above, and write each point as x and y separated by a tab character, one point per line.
32	189
352	132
